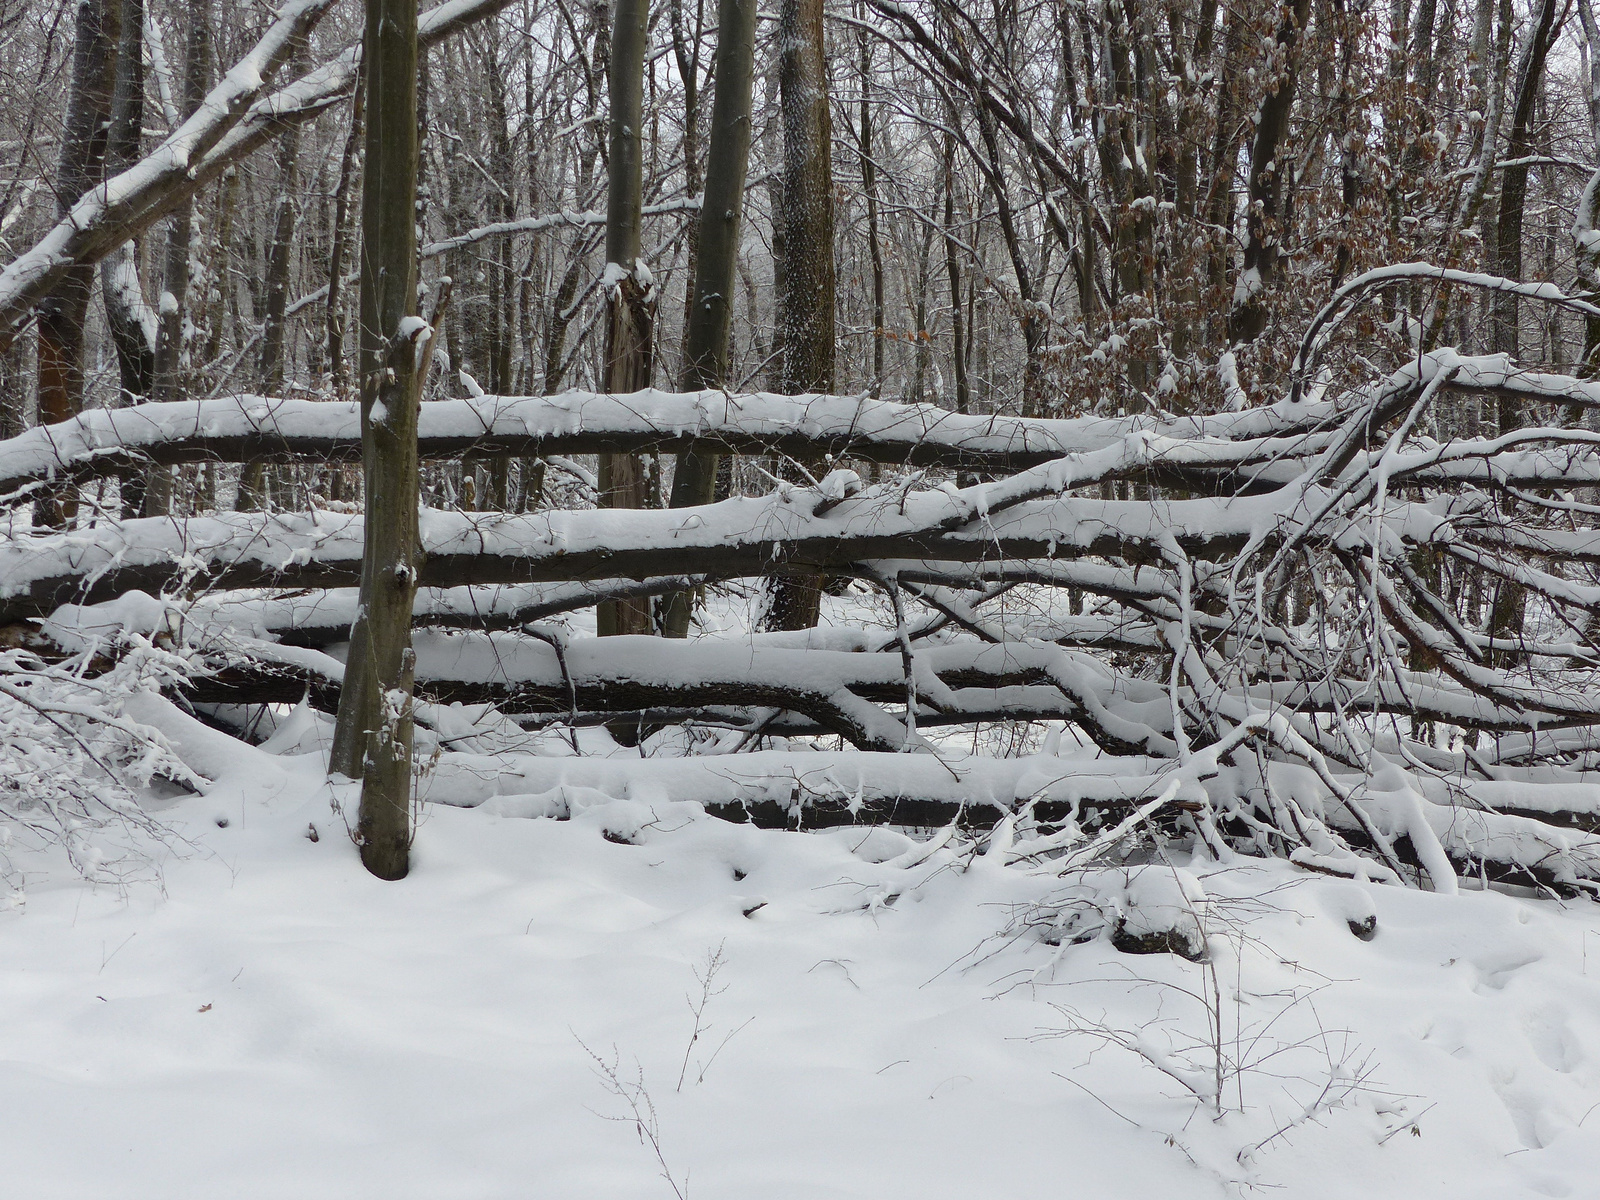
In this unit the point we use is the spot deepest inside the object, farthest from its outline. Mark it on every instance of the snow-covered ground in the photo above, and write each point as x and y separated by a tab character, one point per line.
266	1020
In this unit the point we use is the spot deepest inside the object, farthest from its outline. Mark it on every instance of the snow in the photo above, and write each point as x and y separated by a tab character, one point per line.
884	1018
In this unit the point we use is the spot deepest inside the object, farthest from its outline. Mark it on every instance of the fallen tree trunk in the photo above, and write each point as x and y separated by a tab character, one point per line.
1228	453
255	429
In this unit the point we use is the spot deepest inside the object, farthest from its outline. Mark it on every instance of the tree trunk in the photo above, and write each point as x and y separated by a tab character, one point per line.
630	324
1263	248
1513	196
373	733
349	167
806	297
131	323
280	258
170	365
717	261
952	266
869	185
62	313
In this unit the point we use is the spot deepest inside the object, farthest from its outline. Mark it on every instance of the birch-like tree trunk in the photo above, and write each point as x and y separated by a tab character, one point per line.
373	734
338	251
280	254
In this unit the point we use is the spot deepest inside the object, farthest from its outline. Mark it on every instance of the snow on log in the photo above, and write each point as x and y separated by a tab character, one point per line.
257	428
745	536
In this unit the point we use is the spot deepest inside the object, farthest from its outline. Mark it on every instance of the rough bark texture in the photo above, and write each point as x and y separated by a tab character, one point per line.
630	324
373	734
717	259
806	293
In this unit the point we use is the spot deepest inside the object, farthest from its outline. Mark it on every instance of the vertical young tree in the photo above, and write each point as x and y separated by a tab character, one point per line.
806	292
131	321
717	260
373	734
174	298
630	300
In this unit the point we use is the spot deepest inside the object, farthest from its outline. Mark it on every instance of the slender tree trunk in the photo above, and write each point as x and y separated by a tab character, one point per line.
374	728
630	325
280	258
349	169
869	185
131	323
1586	255
1513	196
64	312
686	51
217	264
173	306
952	266
806	299
717	263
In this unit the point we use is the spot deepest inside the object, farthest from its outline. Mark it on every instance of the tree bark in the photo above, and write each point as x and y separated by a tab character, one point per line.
280	254
349	168
806	294
64	310
1514	193
630	311
373	732
869	185
717	260
169	367
128	317
1263	248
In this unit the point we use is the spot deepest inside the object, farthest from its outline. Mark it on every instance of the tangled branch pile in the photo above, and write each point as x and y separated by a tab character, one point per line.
1346	627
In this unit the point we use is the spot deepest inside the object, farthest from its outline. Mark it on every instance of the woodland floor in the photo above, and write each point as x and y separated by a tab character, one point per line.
263	1019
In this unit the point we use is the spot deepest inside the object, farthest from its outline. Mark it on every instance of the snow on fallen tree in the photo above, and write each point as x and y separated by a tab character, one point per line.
1318	629
1251	450
256	428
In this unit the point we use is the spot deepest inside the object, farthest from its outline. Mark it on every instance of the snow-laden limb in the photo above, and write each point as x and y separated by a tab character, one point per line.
789	529
1355	290
256	428
107	215
566	219
321	617
823	788
843	692
1253	451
